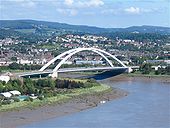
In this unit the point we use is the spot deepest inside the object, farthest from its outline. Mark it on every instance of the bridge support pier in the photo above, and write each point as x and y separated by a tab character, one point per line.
54	75
129	70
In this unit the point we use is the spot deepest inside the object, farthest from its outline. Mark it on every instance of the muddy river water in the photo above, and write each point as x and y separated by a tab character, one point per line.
146	106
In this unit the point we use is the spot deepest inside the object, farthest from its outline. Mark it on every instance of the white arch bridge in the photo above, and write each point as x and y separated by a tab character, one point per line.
66	55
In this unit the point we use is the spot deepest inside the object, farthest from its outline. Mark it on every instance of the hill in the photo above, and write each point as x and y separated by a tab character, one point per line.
32	26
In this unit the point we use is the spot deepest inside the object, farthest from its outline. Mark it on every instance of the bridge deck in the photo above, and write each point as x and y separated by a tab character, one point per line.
67	70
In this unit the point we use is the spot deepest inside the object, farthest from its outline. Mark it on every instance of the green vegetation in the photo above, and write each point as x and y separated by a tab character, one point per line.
25	30
146	69
16	66
44	86
138	74
49	91
163	71
53	26
49	46
34	103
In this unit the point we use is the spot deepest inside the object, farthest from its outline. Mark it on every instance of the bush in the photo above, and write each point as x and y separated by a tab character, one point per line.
16	99
5	102
40	97
68	84
55	94
145	68
89	85
28	99
49	94
31	99
91	80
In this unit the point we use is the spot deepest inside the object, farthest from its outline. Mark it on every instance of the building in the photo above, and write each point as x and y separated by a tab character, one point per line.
21	61
15	93
10	93
93	62
4	78
6	94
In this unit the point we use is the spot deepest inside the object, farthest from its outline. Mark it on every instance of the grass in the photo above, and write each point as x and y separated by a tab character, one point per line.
33	104
60	98
16	71
146	75
72	79
25	30
92	90
54	46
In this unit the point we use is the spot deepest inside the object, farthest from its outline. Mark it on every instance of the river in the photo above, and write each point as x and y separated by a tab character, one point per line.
146	106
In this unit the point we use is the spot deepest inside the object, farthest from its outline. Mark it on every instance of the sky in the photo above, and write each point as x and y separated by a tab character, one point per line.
100	13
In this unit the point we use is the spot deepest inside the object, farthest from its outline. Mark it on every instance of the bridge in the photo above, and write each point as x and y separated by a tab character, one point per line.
49	72
66	55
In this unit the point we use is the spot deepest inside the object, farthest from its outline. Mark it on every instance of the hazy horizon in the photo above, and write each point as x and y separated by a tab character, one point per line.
85	24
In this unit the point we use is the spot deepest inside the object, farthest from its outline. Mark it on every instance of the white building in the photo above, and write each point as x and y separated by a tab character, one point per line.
10	93
6	94
15	93
21	61
68	62
4	78
127	41
5	63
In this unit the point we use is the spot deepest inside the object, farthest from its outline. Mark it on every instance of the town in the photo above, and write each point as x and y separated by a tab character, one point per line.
132	52
84	63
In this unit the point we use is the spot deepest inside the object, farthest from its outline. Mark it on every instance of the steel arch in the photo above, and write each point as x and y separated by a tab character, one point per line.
74	51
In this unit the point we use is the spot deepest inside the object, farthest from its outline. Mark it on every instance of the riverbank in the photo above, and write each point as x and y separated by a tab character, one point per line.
160	78
73	102
146	106
83	99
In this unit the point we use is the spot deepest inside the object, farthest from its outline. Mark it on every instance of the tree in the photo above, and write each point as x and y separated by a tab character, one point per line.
1	87
39	83
51	83
13	58
8	87
14	66
167	69
29	87
163	71
146	68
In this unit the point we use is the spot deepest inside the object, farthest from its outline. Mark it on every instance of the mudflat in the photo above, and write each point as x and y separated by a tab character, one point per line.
25	116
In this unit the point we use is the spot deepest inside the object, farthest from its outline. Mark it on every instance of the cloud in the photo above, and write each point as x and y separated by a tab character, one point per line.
70	12
68	2
29	4
23	3
73	7
94	3
151	1
129	10
137	10
150	10
86	3
90	3
110	11
83	4
133	10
